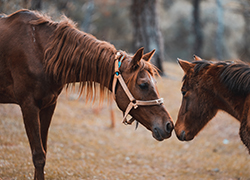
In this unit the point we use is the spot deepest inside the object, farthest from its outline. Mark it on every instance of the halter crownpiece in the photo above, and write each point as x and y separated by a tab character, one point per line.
133	102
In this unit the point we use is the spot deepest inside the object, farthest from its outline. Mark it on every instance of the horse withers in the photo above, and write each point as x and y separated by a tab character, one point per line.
39	57
209	87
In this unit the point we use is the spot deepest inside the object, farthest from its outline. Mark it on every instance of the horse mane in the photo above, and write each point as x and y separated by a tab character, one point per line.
75	56
235	75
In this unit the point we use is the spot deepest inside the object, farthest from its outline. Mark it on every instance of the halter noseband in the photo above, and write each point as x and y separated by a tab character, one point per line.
133	102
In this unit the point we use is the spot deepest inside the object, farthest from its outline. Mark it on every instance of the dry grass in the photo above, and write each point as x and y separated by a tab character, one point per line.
82	146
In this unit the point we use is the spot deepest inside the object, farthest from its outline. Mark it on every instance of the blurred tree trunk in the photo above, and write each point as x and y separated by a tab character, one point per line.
220	30
245	51
1	6
89	9
25	4
198	44
146	30
36	4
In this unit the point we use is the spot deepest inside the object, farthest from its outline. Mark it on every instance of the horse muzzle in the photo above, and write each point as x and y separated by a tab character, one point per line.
163	133
183	136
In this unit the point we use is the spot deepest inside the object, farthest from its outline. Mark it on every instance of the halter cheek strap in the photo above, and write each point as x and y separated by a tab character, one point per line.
133	102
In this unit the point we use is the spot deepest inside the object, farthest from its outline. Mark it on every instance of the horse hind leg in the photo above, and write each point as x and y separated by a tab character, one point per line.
32	126
245	133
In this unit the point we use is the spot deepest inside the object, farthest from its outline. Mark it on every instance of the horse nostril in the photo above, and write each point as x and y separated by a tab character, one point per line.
156	133
169	127
182	136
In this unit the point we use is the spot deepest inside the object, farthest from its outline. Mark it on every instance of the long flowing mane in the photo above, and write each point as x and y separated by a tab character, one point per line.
75	56
235	75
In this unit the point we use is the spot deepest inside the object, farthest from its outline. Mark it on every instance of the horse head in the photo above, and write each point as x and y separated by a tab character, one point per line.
197	106
139	96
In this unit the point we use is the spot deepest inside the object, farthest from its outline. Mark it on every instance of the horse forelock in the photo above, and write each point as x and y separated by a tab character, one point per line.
200	65
149	68
75	56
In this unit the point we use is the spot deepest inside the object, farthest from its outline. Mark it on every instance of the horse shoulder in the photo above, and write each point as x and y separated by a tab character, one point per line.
21	60
246	112
245	124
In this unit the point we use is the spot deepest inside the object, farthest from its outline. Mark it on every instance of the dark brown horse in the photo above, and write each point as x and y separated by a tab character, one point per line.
39	57
209	87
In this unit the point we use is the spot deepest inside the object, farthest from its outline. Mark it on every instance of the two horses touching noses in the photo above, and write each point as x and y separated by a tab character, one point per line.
40	57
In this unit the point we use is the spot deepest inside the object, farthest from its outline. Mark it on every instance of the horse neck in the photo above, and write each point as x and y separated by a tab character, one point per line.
93	71
94	66
79	57
231	105
226	100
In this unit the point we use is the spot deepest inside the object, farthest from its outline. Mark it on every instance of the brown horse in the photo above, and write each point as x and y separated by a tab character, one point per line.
39	57
209	87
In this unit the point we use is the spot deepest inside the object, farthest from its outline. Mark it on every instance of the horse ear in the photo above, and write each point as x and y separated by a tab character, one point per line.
197	58
148	56
185	65
137	57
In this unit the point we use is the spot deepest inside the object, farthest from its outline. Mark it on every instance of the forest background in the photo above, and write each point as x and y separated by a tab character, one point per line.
212	29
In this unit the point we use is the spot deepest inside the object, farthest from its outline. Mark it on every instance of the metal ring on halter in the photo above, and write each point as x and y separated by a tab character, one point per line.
133	102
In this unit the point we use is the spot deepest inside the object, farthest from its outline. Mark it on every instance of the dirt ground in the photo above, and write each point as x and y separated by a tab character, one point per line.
82	146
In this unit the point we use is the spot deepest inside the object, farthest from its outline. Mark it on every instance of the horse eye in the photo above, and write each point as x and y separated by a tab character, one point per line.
143	85
184	93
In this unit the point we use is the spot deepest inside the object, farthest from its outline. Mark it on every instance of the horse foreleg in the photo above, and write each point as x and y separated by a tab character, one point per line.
32	127
45	119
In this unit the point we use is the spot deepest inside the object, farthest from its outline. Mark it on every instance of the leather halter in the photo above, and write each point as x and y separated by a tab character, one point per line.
133	102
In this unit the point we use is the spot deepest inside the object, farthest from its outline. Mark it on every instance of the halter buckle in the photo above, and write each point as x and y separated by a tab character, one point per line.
117	73
135	105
